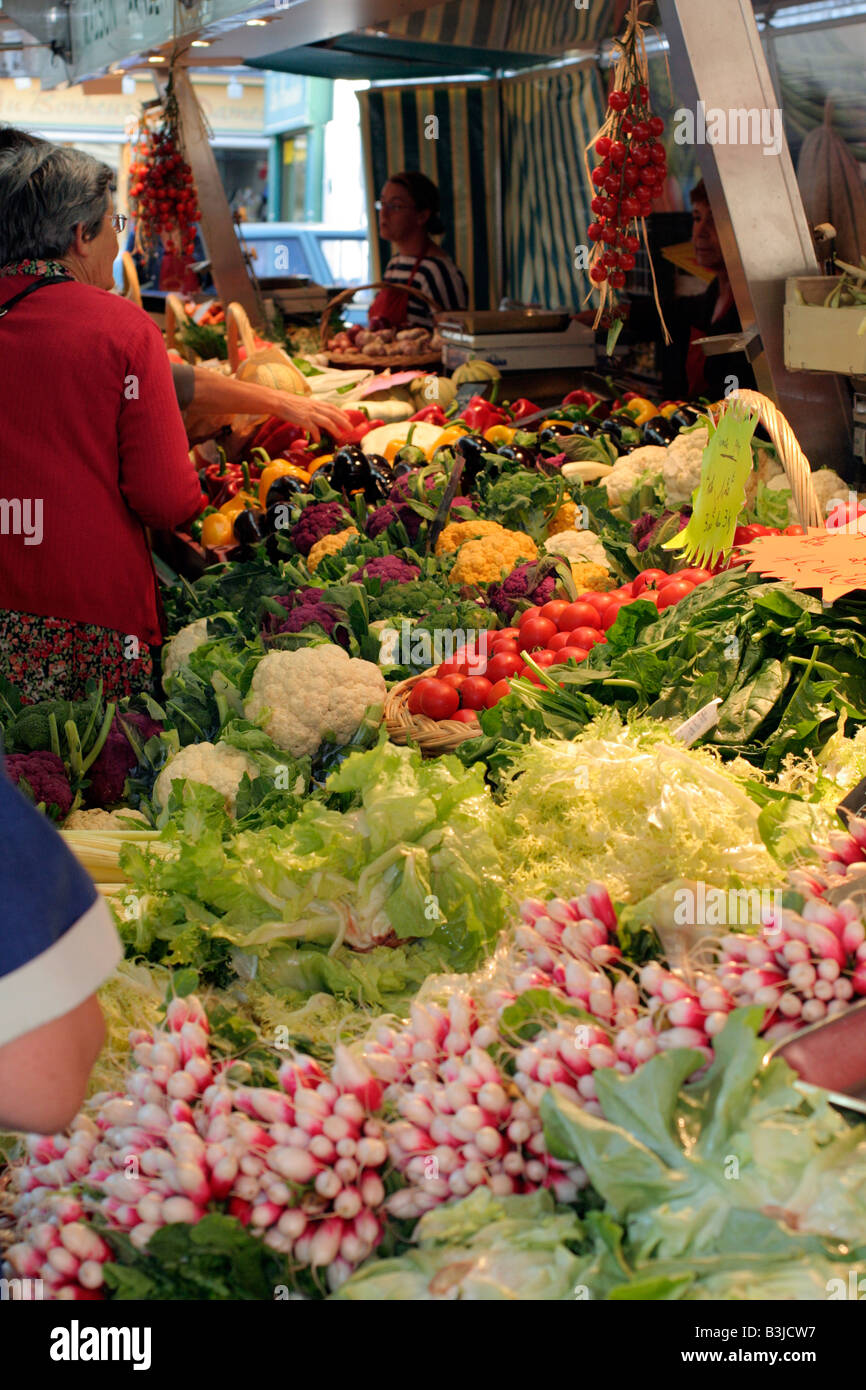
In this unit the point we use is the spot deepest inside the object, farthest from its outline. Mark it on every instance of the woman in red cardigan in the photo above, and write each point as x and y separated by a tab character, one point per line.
93	446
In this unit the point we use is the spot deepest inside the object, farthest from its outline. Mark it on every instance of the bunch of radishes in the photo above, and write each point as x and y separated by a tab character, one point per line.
806	966
461	1121
299	1165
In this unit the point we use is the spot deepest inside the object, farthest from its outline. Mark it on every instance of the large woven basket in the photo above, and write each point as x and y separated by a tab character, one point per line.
791	457
431	736
360	358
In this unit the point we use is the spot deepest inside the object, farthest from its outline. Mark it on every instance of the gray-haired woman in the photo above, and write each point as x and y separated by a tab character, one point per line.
94	448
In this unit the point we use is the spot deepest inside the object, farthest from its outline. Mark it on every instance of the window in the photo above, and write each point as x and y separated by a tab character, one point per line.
348	259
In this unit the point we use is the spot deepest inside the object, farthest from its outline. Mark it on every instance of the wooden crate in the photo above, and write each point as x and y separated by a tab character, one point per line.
819	339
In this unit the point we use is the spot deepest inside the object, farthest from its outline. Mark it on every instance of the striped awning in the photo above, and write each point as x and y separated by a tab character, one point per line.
450	133
547	121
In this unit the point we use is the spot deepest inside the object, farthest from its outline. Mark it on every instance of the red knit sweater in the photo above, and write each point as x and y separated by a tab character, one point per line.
89	424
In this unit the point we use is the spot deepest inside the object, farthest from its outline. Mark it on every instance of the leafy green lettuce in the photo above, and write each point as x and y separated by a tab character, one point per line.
734	1186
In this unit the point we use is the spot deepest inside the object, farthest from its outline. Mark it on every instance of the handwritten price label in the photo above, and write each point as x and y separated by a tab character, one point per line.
721	493
832	561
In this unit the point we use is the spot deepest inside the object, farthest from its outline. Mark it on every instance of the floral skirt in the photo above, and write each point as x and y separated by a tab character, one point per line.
53	658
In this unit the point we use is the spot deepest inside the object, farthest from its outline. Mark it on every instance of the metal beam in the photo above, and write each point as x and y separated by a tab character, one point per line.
310	21
224	250
716	55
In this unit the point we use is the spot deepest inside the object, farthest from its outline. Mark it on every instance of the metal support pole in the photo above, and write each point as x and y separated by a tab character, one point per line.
224	250
716	56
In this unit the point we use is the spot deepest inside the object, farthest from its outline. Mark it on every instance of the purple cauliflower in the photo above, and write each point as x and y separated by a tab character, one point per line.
463	502
503	598
117	758
304	608
644	529
388	568
385	516
317	520
42	776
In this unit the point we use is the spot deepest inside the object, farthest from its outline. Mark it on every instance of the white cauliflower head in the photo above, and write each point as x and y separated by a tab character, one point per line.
177	650
312	693
216	765
98	819
682	466
578	545
628	471
830	489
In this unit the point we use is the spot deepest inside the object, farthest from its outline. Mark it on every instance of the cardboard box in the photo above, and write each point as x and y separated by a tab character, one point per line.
819	339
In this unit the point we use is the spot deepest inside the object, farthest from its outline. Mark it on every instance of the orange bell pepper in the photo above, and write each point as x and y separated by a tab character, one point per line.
279	468
216	530
317	463
447	438
499	434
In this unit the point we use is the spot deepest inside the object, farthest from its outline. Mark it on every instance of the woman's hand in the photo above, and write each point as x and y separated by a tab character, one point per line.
309	414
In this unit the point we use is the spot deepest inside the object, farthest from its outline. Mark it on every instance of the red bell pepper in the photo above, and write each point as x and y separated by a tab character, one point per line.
587	398
433	415
519	409
480	415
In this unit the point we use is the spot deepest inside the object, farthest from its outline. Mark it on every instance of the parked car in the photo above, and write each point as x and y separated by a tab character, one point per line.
330	256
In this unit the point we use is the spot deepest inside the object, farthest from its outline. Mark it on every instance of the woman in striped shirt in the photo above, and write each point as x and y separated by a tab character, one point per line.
409	218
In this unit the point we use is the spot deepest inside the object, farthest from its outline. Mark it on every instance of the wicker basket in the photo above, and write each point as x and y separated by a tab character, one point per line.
405	362
431	736
791	457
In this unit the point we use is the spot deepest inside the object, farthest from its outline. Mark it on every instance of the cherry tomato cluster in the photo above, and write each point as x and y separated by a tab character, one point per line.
631	174
743	535
162	189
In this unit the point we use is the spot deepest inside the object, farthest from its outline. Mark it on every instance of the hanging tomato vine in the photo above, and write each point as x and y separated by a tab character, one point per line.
162	190
630	176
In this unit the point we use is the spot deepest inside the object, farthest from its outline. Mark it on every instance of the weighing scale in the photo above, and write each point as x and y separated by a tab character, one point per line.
516	340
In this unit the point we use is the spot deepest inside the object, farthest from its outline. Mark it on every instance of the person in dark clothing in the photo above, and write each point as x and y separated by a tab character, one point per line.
686	370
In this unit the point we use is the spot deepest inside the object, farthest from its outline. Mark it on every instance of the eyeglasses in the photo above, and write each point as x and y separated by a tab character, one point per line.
390	207
119	221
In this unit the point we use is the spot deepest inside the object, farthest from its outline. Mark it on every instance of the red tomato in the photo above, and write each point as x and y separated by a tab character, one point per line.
502	665
583	637
794	531
535	678
623	592
439	701
448	668
506	633
609	616
649	596
600	602
648	579
545	658
498	690
554	609
474	692
506	644
559	640
578	615
414	701
574	653
473	664
672	593
527	614
465	716
693	575
744	534
535	633
454	679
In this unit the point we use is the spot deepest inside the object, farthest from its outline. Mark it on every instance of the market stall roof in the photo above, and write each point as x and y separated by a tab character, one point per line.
381	58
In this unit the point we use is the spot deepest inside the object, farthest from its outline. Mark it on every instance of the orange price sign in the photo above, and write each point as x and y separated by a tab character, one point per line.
832	561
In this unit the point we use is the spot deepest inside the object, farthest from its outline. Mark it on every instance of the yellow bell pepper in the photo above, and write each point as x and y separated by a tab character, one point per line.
317	463
392	448
670	409
499	434
279	468
448	437
238	503
216	530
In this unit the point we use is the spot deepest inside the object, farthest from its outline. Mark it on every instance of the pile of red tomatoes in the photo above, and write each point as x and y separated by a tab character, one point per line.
555	634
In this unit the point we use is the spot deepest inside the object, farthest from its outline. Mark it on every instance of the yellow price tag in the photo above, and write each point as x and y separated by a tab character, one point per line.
720	496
